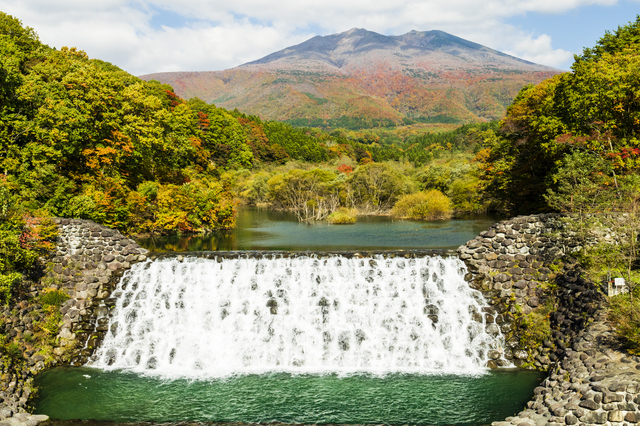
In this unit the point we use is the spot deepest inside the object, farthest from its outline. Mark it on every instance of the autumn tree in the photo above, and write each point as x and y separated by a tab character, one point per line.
310	194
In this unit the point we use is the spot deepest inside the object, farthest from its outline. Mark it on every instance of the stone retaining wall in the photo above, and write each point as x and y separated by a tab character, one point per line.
520	267
88	263
523	263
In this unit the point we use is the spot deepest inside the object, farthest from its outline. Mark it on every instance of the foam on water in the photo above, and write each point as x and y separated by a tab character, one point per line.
204	318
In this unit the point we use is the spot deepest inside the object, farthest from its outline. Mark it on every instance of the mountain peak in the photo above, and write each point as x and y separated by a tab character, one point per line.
358	46
360	74
354	31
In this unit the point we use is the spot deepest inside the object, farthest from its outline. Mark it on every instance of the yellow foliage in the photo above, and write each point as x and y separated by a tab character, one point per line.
423	205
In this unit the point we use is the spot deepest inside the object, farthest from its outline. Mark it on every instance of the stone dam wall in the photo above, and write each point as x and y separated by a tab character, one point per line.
520	268
515	264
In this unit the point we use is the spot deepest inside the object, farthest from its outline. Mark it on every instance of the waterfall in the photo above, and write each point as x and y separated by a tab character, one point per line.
210	318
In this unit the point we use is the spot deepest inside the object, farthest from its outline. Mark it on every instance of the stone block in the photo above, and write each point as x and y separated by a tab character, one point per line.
558	410
618	387
501	278
590	404
612	397
616	416
488	256
114	266
595	417
570	419
632	417
521	284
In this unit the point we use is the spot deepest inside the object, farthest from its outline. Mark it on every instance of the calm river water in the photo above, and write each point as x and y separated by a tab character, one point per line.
263	229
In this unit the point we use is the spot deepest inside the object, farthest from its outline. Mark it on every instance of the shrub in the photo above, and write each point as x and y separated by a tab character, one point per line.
625	316
376	186
6	285
53	298
52	321
342	216
310	194
345	168
535	327
423	205
14	351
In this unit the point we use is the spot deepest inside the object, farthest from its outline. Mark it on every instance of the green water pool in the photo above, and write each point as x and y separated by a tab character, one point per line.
264	229
85	393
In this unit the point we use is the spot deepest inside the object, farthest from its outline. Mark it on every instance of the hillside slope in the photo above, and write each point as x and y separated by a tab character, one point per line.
362	79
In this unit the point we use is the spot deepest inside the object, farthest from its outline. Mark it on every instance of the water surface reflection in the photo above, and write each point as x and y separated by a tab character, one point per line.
264	229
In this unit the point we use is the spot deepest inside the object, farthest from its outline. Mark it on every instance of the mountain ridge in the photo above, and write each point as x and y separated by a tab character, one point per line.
362	75
423	40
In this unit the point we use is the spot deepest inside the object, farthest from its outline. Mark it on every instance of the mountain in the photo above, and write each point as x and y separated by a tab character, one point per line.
359	78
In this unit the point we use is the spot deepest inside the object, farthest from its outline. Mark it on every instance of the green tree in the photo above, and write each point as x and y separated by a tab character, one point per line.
375	187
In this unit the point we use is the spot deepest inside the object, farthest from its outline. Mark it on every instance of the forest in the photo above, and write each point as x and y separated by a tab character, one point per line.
81	138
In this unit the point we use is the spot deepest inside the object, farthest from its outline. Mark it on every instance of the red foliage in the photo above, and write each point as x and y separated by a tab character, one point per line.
625	153
31	237
173	98
569	139
345	168
203	120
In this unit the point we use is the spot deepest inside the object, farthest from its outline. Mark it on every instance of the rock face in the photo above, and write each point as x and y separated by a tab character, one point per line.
88	262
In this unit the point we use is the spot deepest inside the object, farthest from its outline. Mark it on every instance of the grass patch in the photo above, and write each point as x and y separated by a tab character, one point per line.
14	351
53	298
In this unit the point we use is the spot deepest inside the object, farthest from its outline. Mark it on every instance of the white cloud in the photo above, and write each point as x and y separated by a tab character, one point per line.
539	50
218	34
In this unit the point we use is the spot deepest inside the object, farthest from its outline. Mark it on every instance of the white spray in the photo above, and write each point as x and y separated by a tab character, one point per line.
203	318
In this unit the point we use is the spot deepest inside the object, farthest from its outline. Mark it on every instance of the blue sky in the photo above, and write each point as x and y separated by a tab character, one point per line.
146	36
580	27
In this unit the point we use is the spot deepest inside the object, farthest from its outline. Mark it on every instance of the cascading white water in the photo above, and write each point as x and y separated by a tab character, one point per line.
203	318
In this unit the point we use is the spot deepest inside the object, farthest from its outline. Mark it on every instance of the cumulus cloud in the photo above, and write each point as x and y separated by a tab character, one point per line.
219	34
539	50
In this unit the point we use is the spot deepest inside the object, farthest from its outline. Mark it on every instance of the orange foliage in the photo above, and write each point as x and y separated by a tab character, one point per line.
345	168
